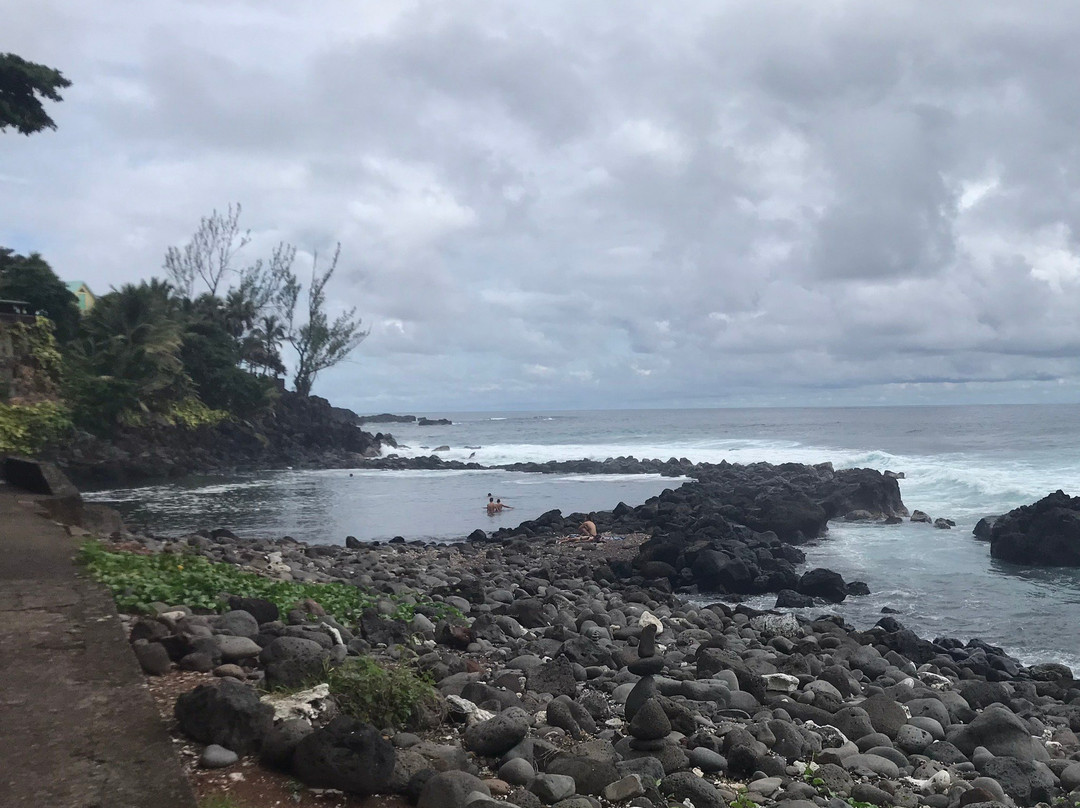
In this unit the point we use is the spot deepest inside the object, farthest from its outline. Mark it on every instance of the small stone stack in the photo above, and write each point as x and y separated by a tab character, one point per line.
648	724
647	665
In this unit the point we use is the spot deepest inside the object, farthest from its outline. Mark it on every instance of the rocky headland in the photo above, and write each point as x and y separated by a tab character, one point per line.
300	432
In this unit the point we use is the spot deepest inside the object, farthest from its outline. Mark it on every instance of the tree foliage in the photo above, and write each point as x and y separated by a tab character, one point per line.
262	307
319	343
37	367
127	363
31	279
212	350
203	346
21	82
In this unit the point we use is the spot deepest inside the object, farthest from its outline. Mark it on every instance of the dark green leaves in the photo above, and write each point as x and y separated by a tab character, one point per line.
21	82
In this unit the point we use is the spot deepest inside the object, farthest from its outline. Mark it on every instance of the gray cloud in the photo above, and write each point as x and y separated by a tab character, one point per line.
566	206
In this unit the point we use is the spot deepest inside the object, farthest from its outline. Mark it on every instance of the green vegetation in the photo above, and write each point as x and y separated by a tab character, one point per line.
35	373
819	783
743	800
21	82
29	278
220	801
136	581
26	428
30	417
382	695
195	350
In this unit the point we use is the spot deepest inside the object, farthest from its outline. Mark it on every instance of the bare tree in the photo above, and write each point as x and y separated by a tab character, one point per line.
208	257
319	344
264	290
263	284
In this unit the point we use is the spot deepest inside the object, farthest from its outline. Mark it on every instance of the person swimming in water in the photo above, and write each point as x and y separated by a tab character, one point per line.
492	508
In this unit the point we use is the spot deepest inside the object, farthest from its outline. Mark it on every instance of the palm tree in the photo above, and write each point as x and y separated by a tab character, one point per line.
132	342
262	346
239	313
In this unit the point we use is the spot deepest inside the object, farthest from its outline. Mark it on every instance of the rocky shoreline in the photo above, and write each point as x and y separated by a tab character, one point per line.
300	432
591	674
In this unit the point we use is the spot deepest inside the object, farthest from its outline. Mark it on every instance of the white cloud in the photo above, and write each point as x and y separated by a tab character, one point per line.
567	205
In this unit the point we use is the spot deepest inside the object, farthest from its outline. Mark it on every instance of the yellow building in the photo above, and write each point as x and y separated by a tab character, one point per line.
82	292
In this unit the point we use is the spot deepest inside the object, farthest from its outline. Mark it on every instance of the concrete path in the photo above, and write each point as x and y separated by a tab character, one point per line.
78	728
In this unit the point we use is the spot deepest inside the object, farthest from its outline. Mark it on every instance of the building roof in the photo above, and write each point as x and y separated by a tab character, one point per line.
74	286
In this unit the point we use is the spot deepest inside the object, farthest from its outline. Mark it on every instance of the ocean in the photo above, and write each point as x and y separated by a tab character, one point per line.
962	463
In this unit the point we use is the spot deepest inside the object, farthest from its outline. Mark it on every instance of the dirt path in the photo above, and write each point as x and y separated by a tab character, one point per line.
78	728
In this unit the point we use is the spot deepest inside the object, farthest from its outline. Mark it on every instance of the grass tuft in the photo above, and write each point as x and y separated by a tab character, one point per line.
381	695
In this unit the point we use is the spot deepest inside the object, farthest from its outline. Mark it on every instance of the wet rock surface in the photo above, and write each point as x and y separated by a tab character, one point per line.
1045	533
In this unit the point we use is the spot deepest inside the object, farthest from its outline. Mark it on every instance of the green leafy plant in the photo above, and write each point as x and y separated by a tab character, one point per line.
220	801
192	413
381	694
26	428
136	581
743	800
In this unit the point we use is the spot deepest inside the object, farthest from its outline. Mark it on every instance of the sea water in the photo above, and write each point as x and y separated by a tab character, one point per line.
959	462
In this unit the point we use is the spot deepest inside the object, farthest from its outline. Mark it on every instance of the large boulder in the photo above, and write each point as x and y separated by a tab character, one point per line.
261	609
823	583
293	661
591	764
885	715
1001	732
1046	533
346	754
682	786
450	790
555	677
238	623
226	713
864	490
1026	781
497	735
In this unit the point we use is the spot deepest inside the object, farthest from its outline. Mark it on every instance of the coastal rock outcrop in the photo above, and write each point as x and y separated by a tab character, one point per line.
733	530
299	431
1046	533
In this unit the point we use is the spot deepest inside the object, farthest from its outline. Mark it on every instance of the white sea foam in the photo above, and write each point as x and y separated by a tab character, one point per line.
955	484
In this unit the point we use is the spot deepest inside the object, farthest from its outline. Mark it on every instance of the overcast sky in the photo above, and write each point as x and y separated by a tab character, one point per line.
586	205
